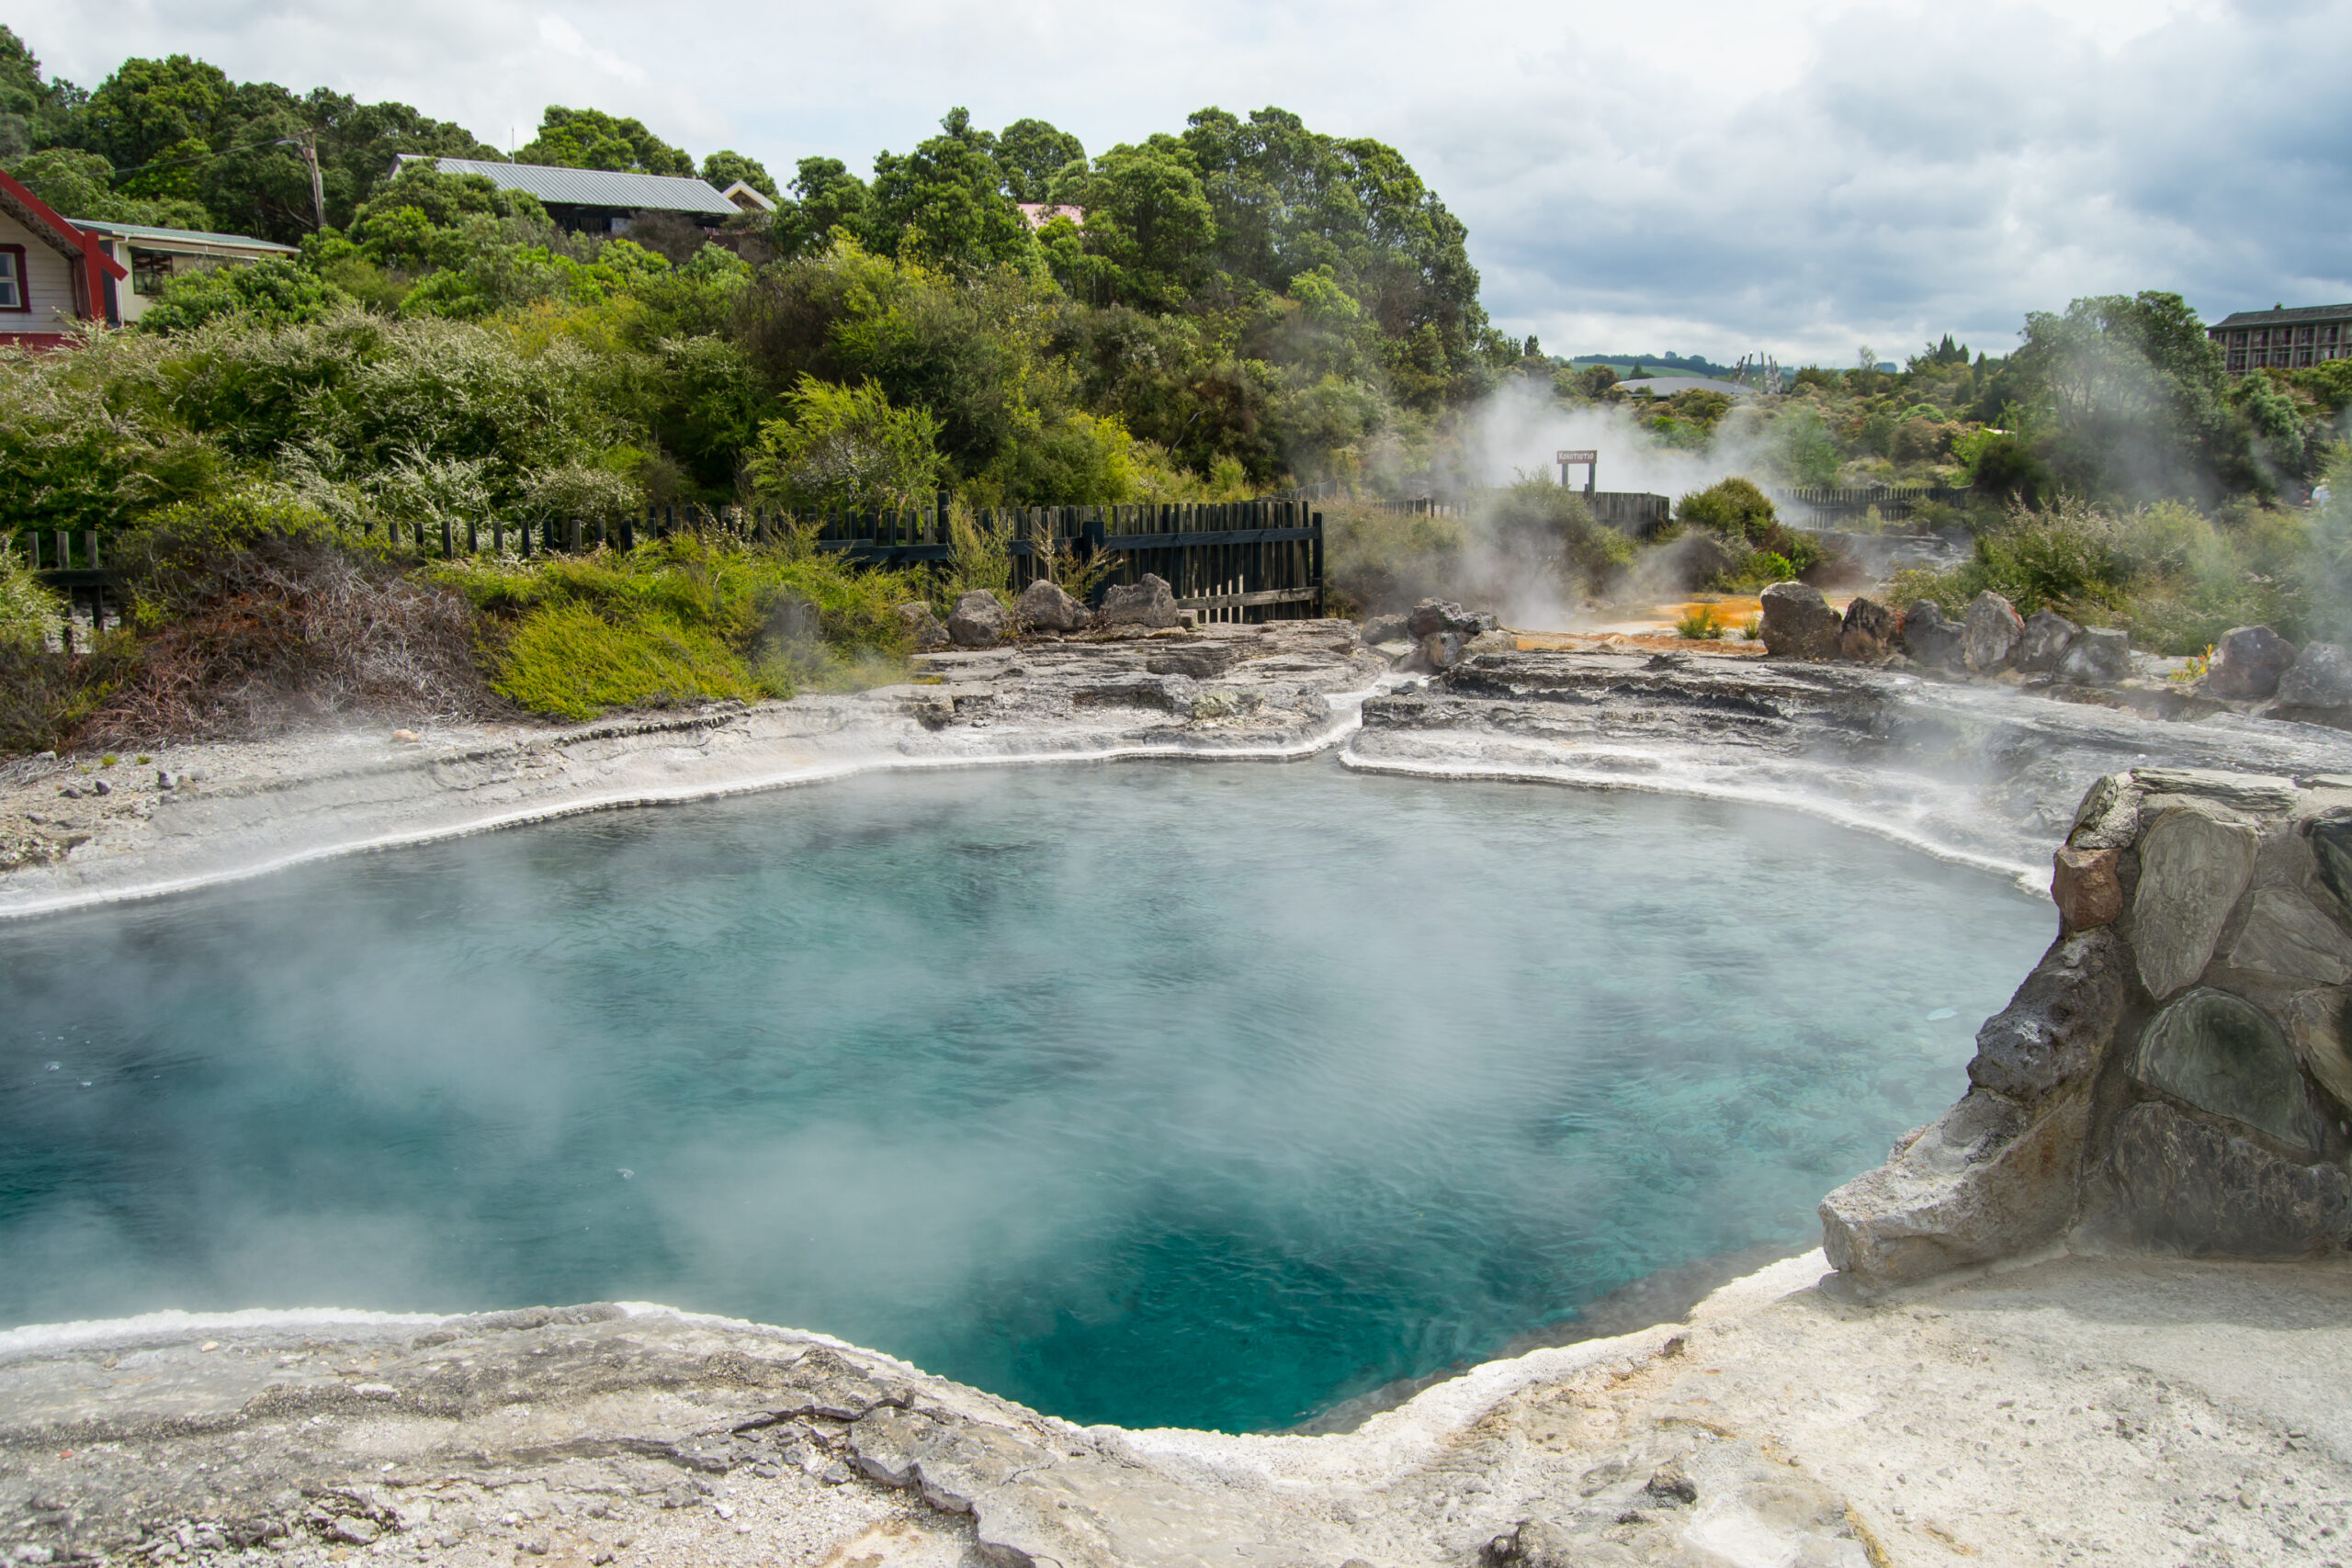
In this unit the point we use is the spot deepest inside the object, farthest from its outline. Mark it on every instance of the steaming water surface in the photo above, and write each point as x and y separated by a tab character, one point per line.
1154	1094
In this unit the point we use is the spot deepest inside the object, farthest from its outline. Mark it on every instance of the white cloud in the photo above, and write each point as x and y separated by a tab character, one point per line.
1793	176
565	39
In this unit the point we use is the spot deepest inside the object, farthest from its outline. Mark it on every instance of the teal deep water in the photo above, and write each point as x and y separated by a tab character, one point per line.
1152	1093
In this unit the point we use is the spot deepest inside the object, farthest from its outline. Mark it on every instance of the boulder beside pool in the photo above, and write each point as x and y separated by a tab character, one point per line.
1799	622
2175	1075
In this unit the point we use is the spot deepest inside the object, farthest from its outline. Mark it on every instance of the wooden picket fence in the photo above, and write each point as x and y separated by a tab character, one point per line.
1894	502
1248	560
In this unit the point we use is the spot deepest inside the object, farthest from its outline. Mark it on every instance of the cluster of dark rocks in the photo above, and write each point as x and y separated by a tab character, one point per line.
2177	1072
2254	664
1989	638
980	619
1443	634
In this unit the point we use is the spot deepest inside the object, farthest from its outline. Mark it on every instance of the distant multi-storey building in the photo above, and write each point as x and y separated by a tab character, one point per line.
2284	339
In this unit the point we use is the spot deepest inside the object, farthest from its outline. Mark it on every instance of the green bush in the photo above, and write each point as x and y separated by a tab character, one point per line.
2172	576
1764	551
685	619
1733	508
269	292
29	614
579	660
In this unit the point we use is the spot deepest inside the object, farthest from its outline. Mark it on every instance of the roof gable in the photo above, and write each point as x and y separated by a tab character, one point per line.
53	231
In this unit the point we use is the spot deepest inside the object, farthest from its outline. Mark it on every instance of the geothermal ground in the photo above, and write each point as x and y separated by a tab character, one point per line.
2064	1408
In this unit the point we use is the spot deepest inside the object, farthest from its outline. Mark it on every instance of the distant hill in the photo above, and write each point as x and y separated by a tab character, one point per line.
1657	364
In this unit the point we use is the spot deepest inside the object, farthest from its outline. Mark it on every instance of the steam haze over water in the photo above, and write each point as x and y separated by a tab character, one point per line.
1799	177
1156	1094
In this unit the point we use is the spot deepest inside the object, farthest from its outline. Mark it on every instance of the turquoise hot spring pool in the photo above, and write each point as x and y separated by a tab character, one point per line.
1152	1093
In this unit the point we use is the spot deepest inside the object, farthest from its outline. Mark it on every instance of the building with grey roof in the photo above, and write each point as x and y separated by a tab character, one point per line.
2284	339
593	202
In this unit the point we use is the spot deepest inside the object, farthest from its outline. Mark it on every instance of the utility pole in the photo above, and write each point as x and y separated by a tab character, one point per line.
309	143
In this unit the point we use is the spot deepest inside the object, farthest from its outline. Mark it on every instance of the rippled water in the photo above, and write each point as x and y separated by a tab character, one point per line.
1156	1094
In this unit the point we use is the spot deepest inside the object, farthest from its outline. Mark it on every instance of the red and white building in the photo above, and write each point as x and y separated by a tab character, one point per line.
53	275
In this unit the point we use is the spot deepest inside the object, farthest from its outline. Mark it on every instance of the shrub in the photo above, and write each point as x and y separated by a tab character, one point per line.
579	660
845	447
1734	508
2172	577
685	619
30	616
1700	623
1764	549
269	292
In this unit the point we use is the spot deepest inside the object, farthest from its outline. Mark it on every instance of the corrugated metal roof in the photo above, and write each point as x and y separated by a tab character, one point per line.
183	236
591	188
2300	314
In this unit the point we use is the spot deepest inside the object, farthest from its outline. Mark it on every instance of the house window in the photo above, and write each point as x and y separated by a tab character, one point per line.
150	270
2237	364
2305	336
12	280
2241	338
2302	357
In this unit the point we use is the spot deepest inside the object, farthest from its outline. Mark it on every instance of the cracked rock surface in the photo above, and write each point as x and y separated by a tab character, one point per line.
2132	1410
1981	771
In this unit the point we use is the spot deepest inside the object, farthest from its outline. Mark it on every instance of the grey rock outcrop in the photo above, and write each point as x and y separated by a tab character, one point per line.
922	627
1433	616
1983	1180
1385	628
2247	664
1870	631
2321	677
1931	640
2197	1187
2193	867
1799	622
2174	1073
2220	1053
2057	1028
1147	603
2047	636
1043	606
1989	633
2097	656
979	620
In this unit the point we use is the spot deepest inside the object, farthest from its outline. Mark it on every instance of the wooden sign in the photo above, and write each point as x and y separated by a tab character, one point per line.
1577	457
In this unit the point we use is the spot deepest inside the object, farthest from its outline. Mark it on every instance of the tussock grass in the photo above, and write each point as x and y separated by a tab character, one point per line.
685	619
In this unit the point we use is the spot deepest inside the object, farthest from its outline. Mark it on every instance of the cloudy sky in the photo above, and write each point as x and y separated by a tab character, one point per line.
1703	176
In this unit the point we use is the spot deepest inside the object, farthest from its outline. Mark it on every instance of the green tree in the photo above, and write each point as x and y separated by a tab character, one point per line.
34	112
825	196
1147	216
943	203
1031	152
156	120
591	139
2134	390
723	168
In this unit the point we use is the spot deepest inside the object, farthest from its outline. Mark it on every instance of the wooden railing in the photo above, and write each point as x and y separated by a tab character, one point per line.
1245	560
1894	502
